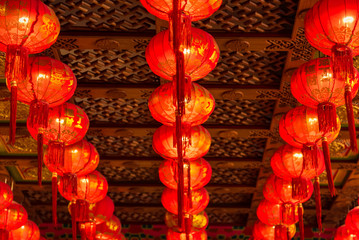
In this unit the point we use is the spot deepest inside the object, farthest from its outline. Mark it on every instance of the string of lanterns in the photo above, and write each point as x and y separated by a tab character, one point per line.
321	85
28	27
182	54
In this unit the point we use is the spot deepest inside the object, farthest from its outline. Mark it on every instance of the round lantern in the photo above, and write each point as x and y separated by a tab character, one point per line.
331	26
102	211
300	128
67	124
199	199
343	233
172	235
200	59
271	214
6	195
26	27
264	231
11	218
196	141
199	222
108	229
28	231
196	10
197	109
352	220
200	174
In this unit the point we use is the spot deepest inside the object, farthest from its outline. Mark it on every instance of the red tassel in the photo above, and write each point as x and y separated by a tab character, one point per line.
56	152
327	117
299	188
343	67
40	155
54	198
180	195
288	213
310	156
82	211
39	114
73	217
350	117
16	65
188	225
70	180
4	234
328	166
189	188
318	203
301	223
280	231
288	234
88	230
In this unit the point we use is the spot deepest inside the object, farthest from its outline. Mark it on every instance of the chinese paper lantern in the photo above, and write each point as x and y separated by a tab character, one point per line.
108	229
267	232
300	128
200	59
331	26
199	222
67	124
195	9
172	235
196	142
90	188
343	233
6	195
200	174
197	109
352	220
88	230
200	200
26	27
288	162
28	231
11	218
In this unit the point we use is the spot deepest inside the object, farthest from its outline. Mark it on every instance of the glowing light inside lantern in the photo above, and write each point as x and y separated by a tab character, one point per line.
298	155
187	51
348	19
60	120
312	120
24	20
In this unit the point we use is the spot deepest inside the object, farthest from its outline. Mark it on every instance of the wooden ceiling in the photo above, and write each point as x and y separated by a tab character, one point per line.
104	42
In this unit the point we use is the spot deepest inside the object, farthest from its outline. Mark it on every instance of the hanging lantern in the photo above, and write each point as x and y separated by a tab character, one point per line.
11	218
263	231
200	174
67	124
172	235
199	222
331	26
200	59
313	85
197	10
108	229
196	141
19	40
6	195
352	220
196	204
343	233
300	128
28	231
197	109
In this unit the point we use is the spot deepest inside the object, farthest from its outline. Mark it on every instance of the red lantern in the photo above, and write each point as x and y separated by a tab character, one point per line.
172	235
352	220
343	233
199	222
299	127
267	232
11	218
199	199
28	231
67	124
200	59
108	229
271	214
197	109
200	174
6	195
331	26
196	141
26	27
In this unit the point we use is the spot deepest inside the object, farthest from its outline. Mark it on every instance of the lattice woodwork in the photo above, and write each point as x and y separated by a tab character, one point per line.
230	199
254	68
242	112
327	202
237	147
112	66
247	177
42	197
135	198
120	110
46	216
219	217
130	175
137	215
102	15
